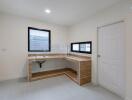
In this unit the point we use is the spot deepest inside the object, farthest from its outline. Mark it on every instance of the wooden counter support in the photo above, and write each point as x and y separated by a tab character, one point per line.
82	76
85	72
30	71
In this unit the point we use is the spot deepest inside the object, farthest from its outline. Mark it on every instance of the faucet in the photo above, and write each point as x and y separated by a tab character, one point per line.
40	63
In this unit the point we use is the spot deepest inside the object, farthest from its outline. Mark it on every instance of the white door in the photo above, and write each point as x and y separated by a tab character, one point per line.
111	57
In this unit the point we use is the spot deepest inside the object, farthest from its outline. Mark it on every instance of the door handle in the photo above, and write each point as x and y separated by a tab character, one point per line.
98	55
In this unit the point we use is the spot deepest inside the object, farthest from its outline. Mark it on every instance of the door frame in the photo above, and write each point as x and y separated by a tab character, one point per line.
116	22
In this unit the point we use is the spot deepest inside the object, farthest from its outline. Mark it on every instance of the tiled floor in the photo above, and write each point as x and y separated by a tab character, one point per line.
57	88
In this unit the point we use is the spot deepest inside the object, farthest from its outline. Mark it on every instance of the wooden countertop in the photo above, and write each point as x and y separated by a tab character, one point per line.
67	57
77	58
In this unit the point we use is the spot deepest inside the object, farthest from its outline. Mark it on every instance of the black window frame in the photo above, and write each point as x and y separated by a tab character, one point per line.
49	31
87	42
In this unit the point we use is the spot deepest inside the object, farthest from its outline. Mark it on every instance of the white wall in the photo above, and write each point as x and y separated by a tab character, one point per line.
87	30
14	43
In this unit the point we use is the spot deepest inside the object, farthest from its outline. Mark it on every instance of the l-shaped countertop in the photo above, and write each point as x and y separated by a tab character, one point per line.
59	56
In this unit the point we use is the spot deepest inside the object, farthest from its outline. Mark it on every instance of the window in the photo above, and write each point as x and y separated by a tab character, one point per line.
82	47
85	47
38	40
76	47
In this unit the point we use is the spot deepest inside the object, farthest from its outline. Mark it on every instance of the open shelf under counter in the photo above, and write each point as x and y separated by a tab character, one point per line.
72	75
53	73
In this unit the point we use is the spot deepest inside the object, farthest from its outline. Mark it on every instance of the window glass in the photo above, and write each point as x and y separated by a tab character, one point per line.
39	40
82	47
85	47
76	47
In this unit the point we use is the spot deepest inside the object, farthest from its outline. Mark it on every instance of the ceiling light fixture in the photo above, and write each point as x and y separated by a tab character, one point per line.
48	11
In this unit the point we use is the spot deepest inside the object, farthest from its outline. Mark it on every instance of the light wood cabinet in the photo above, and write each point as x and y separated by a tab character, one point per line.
81	76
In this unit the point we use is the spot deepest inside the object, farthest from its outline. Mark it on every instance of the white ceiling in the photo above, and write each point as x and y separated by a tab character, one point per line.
63	12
